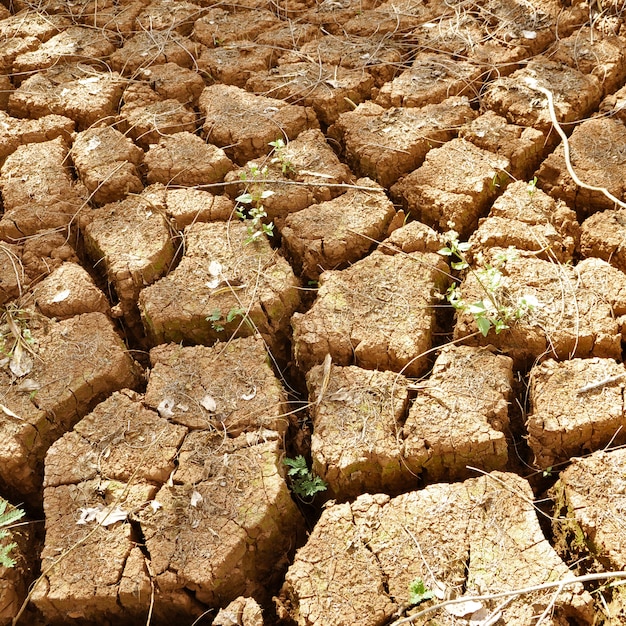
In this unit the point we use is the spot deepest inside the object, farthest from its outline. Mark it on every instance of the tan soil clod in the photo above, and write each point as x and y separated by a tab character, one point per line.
244	124
229	388
603	235
334	18
107	162
412	237
287	36
75	91
78	362
243	288
240	612
187	206
335	233
118	18
29	23
385	144
220	27
357	416
597	163
173	82
453	198
378	314
565	421
468	538
530	220
186	160
169	15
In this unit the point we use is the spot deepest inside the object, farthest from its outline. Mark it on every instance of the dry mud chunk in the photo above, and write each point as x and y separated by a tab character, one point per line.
78	362
185	159
579	312
130	241
575	95
186	206
240	612
306	159
385	144
76	91
331	17
614	105
230	389
244	124
523	147
107	162
597	163
219	27
377	314
119	18
223	287
453	198
591	496
288	36
530	220
460	417
69	291
431	79
603	235
75	44
333	234
602	56
29	23
154	48
15	132
111	464
413	237
468	538
357	418
329	90
227	521
234	63
173	82
569	416
11	49
37	190
169	15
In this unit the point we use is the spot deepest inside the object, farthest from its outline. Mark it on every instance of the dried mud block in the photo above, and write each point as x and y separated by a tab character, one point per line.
220	27
116	18
37	190
603	235
306	159
412	237
223	287
29	23
614	105
575	95
331	18
385	144
11	49
576	407
287	36
590	497
471	538
73	45
377	314
528	219
333	234
76	363
329	90
234	63
106	161
69	291
460	416
76	91
579	314
169	15
228	389
111	464
244	124
173	82
597	163
187	206
453	198
601	56
522	146
185	159
240	612
155	47
131	242
431	79
357	419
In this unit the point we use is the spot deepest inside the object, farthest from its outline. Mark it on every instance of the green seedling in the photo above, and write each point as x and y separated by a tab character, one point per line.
8	518
303	482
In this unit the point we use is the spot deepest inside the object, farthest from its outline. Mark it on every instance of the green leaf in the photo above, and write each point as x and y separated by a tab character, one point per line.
459	265
216	315
418	592
245	198
296	466
483	325
233	313
445	251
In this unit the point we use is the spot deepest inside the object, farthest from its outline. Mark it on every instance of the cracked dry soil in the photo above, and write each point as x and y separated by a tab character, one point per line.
160	357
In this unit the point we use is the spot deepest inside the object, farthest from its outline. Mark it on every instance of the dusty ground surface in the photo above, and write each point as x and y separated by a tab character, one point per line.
223	233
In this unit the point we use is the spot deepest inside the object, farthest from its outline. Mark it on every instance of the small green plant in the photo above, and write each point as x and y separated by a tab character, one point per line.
218	322
6	519
303	482
532	186
418	592
286	166
250	205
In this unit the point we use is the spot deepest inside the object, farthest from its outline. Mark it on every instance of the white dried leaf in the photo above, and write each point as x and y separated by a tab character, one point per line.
208	403
213	283
62	295
461	609
92	144
103	515
215	268
529	34
155	505
249	396
7	411
165	408
196	498
28	385
21	362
